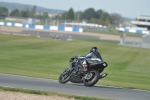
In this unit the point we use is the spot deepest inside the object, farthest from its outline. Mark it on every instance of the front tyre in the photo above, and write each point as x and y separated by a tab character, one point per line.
64	77
91	78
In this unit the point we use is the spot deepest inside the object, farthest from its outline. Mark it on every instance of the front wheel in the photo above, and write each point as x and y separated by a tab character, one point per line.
91	78
64	77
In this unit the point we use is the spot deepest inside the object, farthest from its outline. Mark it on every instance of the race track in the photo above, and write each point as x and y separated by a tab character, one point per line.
71	88
61	34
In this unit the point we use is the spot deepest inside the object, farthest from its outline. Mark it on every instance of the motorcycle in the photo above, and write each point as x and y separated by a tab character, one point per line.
83	71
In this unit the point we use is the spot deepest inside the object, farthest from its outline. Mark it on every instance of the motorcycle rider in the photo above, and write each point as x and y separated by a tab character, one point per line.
94	54
85	69
93	58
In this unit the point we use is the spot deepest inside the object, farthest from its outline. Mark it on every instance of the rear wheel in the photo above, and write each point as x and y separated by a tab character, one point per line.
74	79
64	77
91	78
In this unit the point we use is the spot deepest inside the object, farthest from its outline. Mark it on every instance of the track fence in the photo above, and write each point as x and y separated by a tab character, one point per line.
143	41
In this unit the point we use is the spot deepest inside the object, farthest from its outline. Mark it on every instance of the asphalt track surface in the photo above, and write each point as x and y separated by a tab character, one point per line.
72	88
59	35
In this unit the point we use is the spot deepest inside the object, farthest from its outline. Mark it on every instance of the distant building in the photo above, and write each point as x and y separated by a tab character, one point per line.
142	22
141	25
16	19
22	20
49	14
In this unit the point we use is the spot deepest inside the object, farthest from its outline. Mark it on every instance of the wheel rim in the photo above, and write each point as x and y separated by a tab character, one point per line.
90	76
64	76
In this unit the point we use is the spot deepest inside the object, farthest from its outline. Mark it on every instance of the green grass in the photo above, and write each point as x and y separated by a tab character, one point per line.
49	93
46	58
111	31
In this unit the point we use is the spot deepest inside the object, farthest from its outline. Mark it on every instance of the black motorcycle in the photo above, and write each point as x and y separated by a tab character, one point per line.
83	71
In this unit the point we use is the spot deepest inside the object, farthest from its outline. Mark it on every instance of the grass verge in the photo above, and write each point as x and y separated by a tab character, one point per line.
111	32
48	93
46	58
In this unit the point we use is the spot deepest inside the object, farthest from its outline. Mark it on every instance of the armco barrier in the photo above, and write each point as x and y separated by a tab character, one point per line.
133	31
86	24
44	27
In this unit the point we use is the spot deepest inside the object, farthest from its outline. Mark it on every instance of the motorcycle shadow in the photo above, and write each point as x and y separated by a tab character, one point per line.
97	86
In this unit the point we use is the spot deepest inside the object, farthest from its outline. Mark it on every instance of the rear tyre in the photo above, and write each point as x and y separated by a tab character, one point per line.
65	76
74	79
92	78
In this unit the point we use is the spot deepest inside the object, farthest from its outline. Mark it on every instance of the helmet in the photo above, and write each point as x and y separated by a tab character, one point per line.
94	49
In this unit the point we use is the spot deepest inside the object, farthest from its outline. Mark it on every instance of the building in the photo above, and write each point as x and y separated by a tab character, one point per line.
16	19
142	23
22	20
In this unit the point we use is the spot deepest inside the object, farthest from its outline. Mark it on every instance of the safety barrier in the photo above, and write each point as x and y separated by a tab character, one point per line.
44	27
133	31
86	24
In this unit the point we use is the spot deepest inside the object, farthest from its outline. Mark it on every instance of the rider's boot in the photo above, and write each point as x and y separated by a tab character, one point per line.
103	75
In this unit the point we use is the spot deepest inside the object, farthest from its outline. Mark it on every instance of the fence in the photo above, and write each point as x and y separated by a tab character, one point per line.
133	31
143	41
43	27
146	41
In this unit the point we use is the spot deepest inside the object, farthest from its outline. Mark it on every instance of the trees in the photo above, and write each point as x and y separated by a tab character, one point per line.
14	12
98	17
21	13
33	12
105	17
24	13
98	13
64	16
89	13
116	19
70	14
45	16
3	12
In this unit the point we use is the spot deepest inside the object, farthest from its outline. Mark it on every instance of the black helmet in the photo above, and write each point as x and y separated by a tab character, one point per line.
94	49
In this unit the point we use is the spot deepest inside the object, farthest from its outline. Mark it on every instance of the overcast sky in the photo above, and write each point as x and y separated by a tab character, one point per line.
127	8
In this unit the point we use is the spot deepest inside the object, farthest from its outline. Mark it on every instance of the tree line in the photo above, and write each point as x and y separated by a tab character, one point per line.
91	15
27	13
3	12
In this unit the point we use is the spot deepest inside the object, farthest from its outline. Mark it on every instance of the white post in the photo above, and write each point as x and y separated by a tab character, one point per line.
65	23
46	21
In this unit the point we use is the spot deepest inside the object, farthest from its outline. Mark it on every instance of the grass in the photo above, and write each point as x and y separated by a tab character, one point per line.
49	93
111	31
46	58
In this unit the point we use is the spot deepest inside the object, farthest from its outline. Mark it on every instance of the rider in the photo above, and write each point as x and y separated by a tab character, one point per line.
92	58
94	54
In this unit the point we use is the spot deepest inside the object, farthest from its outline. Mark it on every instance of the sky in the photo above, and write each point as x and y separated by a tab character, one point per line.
126	8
